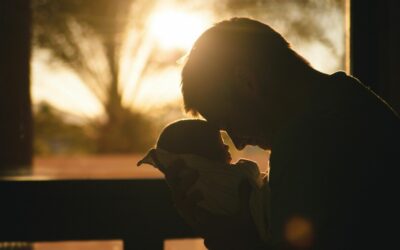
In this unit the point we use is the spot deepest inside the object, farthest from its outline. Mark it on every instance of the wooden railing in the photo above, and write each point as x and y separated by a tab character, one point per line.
139	212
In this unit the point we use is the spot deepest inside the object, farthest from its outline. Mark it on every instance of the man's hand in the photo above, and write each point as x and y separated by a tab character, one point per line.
220	232
180	179
230	232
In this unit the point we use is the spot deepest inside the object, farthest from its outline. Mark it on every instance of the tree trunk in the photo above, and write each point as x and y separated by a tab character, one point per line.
111	133
16	114
125	131
114	100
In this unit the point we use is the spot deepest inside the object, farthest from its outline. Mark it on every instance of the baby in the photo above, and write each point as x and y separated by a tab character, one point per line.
201	147
196	137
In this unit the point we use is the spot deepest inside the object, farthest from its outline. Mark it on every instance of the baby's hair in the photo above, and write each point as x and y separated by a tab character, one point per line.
191	136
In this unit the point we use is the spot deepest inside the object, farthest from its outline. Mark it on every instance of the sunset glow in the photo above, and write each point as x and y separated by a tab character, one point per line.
144	56
174	28
170	26
168	29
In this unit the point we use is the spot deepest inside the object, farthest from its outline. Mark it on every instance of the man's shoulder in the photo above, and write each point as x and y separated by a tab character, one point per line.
354	122
361	96
341	76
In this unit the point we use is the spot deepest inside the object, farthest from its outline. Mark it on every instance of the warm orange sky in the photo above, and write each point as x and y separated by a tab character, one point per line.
170	26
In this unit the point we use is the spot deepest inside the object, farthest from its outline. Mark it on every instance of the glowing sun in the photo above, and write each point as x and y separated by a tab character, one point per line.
173	28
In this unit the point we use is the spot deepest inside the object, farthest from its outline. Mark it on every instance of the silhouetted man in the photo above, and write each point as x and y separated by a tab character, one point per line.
334	143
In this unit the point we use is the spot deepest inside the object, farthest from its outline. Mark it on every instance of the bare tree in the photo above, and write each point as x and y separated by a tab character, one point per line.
88	37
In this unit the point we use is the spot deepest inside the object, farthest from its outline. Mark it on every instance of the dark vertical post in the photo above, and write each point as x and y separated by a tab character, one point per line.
15	102
144	244
375	50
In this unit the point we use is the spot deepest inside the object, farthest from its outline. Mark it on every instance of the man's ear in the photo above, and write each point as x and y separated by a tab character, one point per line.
246	79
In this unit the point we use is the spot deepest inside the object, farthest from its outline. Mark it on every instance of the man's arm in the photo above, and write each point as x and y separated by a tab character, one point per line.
308	184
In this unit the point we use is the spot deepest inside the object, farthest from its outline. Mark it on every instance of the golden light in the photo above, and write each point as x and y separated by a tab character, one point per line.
174	28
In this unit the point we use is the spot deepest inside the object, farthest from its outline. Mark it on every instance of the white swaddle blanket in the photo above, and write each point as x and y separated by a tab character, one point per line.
219	184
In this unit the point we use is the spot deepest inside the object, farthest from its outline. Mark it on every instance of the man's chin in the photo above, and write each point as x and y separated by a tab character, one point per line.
243	146
240	147
264	147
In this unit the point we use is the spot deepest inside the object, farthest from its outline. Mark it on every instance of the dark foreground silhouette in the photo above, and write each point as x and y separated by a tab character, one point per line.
334	143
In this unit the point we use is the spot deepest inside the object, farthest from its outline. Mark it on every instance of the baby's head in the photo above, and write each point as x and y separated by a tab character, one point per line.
196	137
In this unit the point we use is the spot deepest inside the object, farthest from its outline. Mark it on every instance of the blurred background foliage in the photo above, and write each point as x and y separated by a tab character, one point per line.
86	36
100	40
55	135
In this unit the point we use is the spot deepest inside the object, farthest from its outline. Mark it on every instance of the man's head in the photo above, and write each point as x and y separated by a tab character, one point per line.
194	137
232	76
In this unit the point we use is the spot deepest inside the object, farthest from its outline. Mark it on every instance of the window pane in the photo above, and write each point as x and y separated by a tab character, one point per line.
106	74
